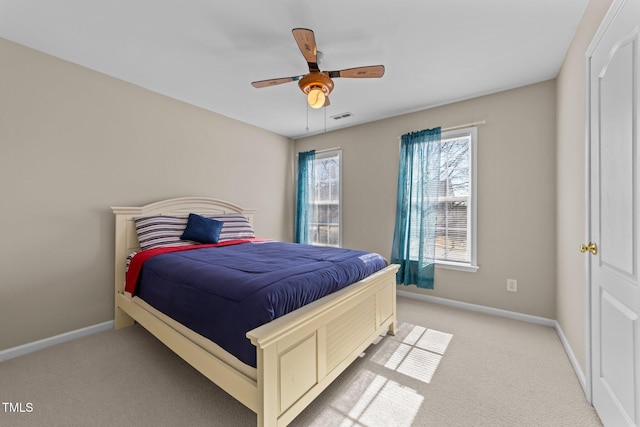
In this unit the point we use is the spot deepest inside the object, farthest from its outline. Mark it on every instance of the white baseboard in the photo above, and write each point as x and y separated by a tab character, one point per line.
572	358
511	315
79	333
20	350
480	308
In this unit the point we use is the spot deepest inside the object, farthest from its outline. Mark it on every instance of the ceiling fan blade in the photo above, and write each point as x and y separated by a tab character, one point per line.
373	71
307	43
273	82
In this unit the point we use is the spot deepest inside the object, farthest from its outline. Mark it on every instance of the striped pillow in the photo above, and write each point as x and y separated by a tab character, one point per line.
161	230
235	226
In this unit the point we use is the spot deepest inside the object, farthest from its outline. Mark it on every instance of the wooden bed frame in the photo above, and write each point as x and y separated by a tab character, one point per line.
298	355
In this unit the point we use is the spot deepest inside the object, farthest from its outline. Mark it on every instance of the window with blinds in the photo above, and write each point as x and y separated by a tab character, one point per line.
455	227
326	199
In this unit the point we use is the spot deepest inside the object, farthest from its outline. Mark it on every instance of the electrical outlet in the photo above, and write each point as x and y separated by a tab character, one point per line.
512	285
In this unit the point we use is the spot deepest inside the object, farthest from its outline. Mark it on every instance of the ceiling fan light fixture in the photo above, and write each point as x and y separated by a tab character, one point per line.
316	97
317	85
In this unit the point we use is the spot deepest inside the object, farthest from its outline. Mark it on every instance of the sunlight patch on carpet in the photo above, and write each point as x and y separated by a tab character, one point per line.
372	400
415	351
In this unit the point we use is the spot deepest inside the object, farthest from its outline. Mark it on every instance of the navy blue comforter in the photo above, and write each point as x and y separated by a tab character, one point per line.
224	292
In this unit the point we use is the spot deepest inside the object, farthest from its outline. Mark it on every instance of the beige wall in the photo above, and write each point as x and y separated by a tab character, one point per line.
571	203
73	143
516	194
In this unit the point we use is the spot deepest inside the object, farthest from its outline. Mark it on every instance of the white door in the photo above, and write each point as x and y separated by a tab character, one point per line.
615	215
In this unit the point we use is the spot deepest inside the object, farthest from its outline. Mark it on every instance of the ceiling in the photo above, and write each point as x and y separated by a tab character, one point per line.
207	52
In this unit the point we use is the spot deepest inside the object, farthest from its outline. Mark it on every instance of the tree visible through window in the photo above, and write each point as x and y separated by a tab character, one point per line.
326	200
454	221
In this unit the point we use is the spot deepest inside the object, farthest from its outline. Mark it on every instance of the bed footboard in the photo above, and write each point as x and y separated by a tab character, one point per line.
298	359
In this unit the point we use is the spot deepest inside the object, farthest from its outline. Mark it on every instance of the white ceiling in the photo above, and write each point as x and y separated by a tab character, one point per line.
207	52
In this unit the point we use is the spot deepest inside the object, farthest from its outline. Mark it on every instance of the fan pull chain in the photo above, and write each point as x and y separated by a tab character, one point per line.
325	119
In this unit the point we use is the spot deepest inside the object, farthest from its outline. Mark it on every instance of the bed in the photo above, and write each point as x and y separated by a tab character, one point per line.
297	355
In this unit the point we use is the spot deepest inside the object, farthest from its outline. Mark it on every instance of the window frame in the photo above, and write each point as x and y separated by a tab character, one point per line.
472	265
324	154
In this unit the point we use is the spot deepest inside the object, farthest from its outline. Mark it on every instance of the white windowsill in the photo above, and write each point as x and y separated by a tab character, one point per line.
457	266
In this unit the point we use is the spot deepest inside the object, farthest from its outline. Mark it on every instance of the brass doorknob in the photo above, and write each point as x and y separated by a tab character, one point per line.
593	248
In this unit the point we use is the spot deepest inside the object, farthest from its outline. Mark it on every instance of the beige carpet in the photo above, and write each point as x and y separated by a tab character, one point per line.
446	367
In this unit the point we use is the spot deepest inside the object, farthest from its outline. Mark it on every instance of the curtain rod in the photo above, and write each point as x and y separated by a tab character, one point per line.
328	149
466	125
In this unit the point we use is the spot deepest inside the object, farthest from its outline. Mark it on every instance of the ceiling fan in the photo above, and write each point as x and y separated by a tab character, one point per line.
317	85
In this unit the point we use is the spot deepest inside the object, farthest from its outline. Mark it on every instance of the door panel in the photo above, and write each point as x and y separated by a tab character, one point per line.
615	216
616	157
617	351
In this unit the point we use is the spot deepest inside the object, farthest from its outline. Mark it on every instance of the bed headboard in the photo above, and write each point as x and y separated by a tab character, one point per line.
127	241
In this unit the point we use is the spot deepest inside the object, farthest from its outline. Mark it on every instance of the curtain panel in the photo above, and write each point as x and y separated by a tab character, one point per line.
417	208
304	193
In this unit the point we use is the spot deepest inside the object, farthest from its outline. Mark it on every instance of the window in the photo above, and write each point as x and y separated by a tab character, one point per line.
456	221
326	215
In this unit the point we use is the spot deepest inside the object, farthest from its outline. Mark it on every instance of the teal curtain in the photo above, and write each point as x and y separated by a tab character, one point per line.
417	208
304	194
